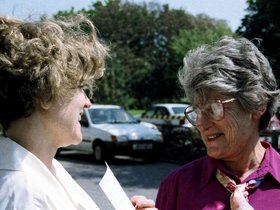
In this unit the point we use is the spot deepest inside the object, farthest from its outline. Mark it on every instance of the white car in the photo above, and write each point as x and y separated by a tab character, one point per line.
171	121
166	113
109	130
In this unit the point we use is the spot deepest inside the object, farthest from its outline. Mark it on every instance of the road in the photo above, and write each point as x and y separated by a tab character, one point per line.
136	176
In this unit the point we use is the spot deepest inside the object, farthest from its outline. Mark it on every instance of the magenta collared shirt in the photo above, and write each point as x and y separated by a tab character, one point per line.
194	186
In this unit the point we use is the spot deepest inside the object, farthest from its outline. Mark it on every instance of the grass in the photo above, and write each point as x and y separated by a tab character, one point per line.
136	111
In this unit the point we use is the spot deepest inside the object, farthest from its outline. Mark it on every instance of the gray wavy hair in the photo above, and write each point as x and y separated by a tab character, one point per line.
41	61
233	67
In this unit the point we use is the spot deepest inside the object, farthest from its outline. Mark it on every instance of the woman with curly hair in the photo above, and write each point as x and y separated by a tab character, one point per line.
45	68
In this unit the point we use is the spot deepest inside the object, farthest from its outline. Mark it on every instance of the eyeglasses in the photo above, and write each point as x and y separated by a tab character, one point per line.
214	110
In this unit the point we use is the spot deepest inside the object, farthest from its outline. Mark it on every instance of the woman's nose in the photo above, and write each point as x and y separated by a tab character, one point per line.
203	122
87	103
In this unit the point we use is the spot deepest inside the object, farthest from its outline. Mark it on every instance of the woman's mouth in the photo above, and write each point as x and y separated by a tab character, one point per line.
213	137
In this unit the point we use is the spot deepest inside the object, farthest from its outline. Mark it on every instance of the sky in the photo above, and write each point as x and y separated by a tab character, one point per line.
230	10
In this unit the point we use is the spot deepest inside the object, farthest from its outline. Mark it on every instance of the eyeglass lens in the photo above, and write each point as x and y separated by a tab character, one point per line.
213	110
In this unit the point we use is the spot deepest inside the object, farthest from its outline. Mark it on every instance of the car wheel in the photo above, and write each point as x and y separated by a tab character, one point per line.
154	156
99	152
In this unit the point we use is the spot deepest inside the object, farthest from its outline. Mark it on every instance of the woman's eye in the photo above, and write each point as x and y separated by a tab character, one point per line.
87	92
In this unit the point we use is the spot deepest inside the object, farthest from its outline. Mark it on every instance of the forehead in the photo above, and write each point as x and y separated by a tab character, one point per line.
201	99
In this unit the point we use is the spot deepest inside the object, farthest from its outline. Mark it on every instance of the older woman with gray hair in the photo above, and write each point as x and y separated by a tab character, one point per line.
233	95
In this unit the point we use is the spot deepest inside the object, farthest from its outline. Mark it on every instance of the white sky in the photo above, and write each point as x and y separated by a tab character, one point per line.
230	10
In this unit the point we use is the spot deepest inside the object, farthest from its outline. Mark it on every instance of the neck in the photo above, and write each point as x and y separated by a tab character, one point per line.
32	137
247	164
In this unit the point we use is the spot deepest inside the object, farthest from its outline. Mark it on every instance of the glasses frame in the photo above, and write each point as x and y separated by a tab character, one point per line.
222	102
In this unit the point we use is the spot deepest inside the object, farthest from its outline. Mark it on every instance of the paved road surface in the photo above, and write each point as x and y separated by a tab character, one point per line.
136	176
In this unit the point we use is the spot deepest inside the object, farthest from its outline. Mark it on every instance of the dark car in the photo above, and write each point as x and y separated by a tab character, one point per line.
272	133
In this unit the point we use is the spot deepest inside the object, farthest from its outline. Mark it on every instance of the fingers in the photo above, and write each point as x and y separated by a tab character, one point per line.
146	209
142	203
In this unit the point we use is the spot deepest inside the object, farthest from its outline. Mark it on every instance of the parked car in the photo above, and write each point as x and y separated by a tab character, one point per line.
272	132
109	130
170	120
182	140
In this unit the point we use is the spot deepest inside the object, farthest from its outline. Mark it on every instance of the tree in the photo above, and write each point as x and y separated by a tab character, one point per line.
143	65
205	31
263	22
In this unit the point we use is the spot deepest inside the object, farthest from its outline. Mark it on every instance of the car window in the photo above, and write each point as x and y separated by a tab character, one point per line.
150	111
110	115
162	111
179	110
98	116
84	120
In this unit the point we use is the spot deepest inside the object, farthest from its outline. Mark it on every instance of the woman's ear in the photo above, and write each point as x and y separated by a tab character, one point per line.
258	113
45	105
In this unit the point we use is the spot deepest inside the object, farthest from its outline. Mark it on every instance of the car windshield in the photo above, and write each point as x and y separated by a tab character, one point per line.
179	110
110	115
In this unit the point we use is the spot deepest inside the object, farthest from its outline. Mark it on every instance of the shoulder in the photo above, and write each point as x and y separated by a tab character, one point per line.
187	172
271	161
13	181
17	191
189	175
182	182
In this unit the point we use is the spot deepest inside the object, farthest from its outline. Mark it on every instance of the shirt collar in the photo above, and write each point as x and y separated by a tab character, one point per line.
17	158
209	168
270	164
14	157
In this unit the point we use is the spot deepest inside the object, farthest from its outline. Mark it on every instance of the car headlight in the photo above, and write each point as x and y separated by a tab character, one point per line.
119	138
160	137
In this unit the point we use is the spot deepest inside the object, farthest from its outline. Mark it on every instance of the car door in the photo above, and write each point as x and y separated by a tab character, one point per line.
86	144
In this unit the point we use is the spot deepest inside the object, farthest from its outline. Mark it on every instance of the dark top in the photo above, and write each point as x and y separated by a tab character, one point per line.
194	185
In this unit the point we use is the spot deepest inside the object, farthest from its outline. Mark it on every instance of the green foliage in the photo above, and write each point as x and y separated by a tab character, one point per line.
263	22
200	34
146	50
136	112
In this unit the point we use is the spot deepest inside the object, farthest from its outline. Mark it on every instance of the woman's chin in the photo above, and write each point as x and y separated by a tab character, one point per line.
75	141
78	141
213	153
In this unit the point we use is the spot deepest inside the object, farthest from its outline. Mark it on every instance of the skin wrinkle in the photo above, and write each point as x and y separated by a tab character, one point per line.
235	117
232	152
232	140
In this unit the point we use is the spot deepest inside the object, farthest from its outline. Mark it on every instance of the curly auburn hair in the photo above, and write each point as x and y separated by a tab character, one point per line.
41	61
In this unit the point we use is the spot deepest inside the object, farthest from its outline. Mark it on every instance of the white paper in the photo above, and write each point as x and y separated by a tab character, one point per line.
114	192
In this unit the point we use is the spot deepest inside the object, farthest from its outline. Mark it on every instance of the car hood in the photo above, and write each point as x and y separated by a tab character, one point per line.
133	131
